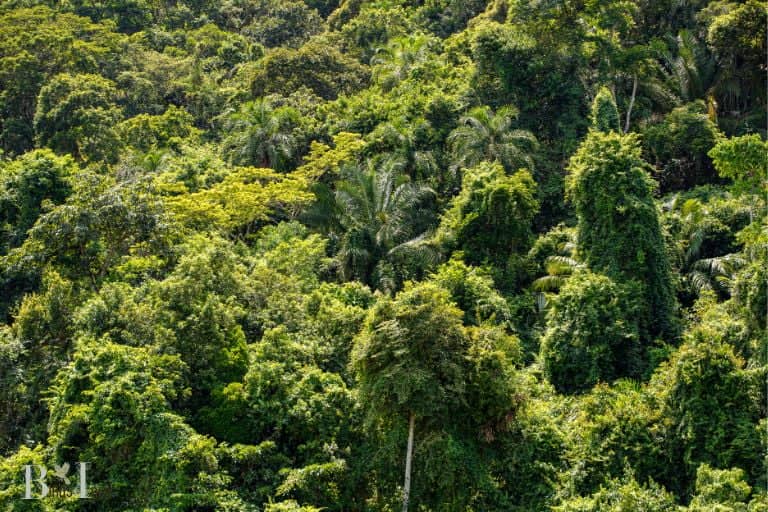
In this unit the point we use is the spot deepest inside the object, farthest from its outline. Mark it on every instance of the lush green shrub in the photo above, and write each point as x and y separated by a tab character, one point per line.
592	333
622	496
605	115
679	147
491	217
710	403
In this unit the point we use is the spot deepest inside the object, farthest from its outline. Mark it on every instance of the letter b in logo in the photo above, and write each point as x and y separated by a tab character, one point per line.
40	479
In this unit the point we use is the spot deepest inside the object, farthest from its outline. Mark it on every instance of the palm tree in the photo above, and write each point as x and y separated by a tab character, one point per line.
715	274
699	273
665	78
392	63
559	268
376	210
261	136
485	135
389	141
691	68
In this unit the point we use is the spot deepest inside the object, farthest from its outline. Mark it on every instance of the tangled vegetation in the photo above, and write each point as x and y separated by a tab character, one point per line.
444	255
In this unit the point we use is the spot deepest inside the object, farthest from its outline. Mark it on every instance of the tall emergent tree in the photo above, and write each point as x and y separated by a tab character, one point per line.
618	226
410	361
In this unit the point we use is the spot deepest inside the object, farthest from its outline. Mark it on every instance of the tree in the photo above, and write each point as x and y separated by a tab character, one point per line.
750	291
112	407
473	291
168	129
285	397
605	114
720	488
130	16
26	185
321	68
376	209
393	63
534	68
445	17
409	360
678	147
370	28
35	45
244	200
97	227
692	69
325	162
622	495
710	404
282	24
553	254
744	160
483	135
707	252
592	333
203	327
618	225
736	36
270	22
76	114
324	7
262	136
13	419
491	218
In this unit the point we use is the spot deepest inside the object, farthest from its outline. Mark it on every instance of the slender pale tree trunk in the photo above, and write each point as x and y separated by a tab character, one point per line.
631	104
408	459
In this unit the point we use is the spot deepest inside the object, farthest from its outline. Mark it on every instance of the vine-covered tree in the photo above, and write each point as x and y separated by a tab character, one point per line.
605	114
618	223
491	218
592	333
410	362
25	184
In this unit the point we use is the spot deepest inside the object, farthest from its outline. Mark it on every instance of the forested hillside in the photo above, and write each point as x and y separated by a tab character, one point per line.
434	255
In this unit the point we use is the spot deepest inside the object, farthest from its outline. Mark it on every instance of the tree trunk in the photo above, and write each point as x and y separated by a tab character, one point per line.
631	103
408	459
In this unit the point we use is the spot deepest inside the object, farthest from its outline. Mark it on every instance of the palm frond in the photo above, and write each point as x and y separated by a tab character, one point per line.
549	283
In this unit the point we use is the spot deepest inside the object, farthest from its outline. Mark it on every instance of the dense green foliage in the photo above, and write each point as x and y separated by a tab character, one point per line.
618	226
250	249
605	114
592	333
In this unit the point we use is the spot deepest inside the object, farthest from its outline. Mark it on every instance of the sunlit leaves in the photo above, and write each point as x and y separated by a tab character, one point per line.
743	159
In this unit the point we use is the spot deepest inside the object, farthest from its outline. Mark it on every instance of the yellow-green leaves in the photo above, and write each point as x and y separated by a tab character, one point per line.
745	160
245	198
323	159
